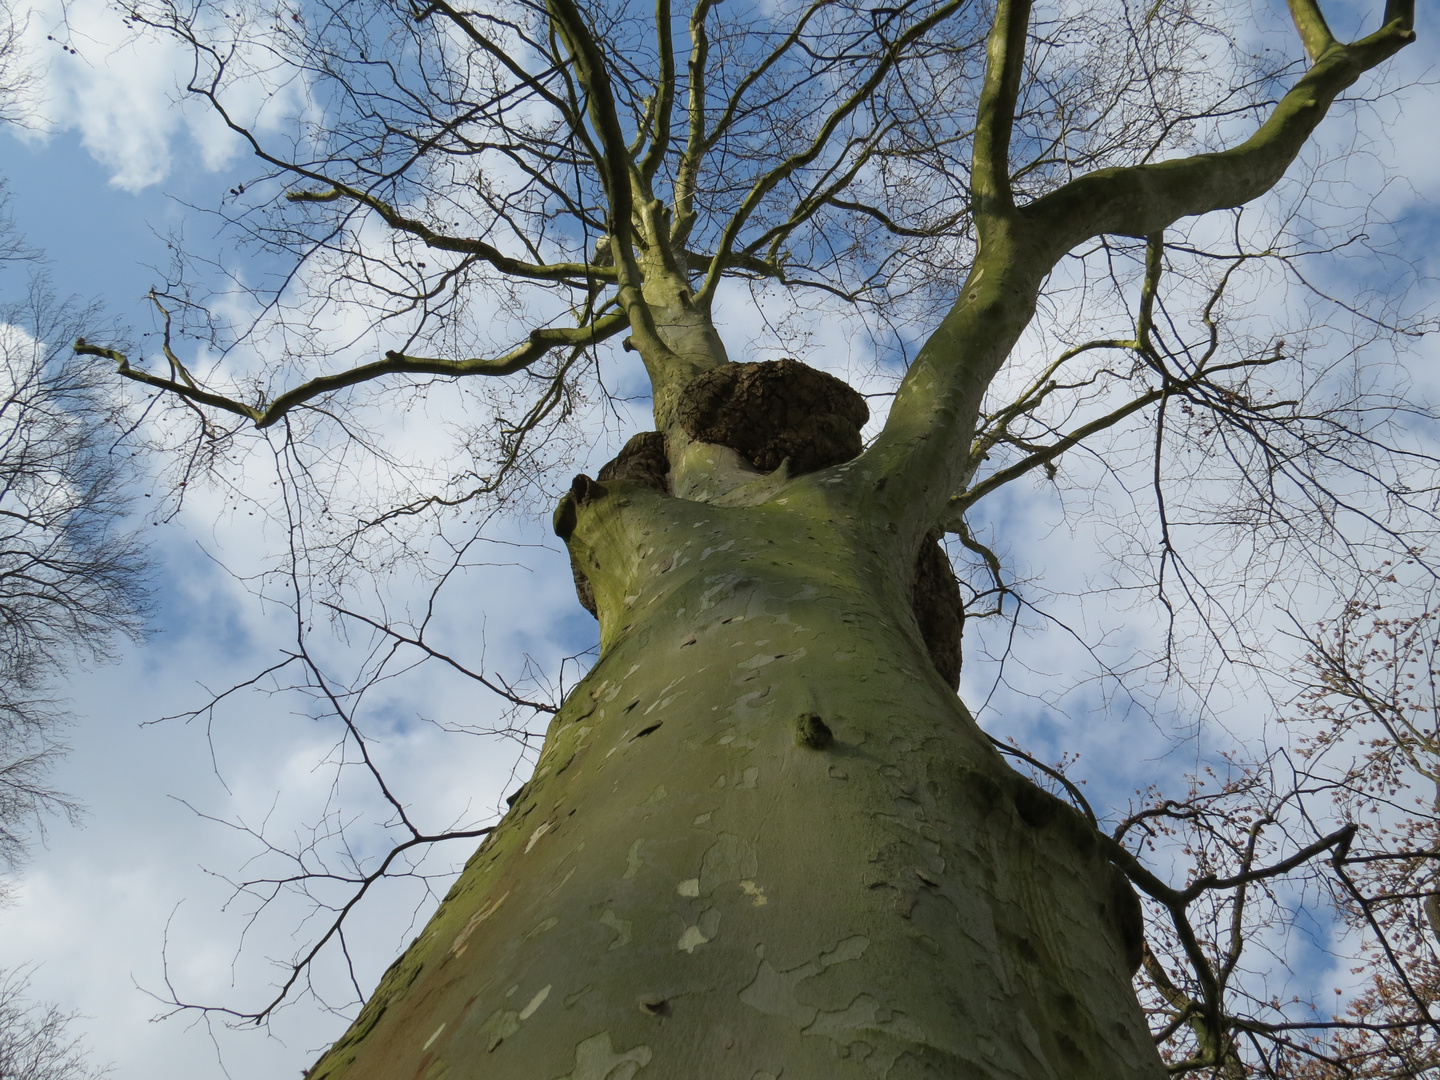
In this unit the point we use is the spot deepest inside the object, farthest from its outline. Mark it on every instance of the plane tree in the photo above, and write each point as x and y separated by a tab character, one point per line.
764	836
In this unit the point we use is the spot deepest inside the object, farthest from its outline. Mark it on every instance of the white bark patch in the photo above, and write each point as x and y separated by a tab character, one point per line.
430	1041
620	926
691	939
749	778
705	929
690	887
535	1002
760	661
498	1027
851	948
755	892
458	945
539	832
568	875
541	928
860	1018
571	999
632	860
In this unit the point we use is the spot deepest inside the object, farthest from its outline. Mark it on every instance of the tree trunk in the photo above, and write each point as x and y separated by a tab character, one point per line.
764	839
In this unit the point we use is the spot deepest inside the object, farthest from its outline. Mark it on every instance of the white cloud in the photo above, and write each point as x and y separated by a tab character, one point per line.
127	101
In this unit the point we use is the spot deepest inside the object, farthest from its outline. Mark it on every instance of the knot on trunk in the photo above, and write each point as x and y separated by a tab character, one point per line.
774	410
939	609
643	459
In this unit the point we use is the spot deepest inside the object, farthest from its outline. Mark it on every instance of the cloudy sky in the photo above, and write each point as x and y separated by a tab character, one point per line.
126	910
134	906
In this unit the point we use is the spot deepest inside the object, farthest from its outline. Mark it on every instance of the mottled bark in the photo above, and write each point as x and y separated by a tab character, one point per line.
764	839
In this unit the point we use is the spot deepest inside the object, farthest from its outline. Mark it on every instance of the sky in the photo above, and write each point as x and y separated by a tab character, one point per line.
133	906
125	911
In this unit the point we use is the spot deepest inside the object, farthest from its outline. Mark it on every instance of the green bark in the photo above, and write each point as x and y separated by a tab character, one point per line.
702	880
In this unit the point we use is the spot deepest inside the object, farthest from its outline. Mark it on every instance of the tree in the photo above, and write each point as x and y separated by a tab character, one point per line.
70	578
763	836
35	1042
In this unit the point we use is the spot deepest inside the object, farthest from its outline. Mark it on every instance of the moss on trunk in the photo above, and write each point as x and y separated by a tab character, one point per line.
695	884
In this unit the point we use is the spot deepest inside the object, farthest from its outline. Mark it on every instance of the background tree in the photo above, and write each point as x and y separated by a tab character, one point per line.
70	578
35	1040
763	835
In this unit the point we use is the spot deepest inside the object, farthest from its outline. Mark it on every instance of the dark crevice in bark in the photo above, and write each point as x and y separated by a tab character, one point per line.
812	731
939	609
643	458
1129	918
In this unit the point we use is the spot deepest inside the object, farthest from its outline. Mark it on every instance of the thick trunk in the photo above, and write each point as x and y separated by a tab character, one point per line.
764	839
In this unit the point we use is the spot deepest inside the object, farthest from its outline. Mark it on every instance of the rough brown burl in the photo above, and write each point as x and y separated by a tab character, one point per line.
776	410
779	410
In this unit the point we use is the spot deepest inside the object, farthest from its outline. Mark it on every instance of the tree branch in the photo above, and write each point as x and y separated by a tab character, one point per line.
1310	23
664	106
1144	199
766	183
577	273
541	341
616	168
1005	52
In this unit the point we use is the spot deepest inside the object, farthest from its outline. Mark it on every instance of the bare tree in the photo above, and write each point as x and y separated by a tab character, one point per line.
35	1040
71	575
17	79
762	835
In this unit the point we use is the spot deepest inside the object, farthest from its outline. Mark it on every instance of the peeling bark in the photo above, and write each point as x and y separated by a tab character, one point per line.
652	903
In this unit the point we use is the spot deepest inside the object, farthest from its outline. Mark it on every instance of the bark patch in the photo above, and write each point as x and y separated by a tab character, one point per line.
1037	808
776	410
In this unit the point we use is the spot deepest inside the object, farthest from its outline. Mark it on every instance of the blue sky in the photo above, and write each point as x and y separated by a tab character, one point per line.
115	168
